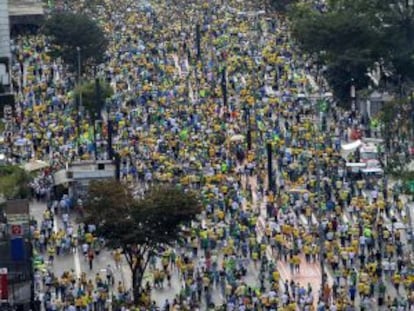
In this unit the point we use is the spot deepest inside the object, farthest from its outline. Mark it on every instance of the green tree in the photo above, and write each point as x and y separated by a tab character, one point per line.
341	39
354	34
14	182
398	36
94	95
68	31
396	124
140	227
281	5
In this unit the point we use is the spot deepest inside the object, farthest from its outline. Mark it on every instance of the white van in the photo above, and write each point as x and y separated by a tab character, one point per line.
369	155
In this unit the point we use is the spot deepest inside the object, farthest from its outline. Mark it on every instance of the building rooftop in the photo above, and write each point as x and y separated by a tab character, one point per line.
25	7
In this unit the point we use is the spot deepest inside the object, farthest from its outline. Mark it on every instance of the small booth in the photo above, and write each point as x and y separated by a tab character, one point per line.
75	177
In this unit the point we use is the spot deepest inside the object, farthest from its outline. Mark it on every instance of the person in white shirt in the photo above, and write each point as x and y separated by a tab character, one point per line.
65	219
69	230
85	248
285	299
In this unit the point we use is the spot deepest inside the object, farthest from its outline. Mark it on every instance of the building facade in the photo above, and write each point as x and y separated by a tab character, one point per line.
5	52
4	29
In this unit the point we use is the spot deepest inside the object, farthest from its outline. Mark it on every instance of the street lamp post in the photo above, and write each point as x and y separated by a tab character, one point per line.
321	228
112	154
96	114
249	127
224	86
198	41
109	134
78	49
270	177
78	100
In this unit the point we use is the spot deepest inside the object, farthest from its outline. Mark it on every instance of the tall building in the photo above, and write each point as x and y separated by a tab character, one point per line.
5	52
4	29
25	12
15	15
16	256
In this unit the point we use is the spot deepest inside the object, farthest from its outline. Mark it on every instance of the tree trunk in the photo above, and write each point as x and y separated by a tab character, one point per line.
138	268
137	276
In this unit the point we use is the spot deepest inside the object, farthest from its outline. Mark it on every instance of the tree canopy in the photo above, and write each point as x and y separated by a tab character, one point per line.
139	226
350	36
68	31
281	5
14	182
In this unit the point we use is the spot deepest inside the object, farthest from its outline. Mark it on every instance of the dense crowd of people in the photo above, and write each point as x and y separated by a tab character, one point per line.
172	123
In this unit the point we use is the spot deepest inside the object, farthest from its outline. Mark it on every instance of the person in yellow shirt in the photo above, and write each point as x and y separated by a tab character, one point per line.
84	301
89	238
117	258
51	251
78	302
276	276
292	306
396	281
296	262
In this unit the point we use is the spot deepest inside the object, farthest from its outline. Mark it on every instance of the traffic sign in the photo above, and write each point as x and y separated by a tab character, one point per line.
16	230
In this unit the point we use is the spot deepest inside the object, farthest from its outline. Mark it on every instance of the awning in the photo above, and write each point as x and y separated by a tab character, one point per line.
347	149
298	190
35	165
351	146
356	164
237	137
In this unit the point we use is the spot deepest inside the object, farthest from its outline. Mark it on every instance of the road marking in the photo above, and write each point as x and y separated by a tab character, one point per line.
303	220
77	263
284	273
126	280
55	226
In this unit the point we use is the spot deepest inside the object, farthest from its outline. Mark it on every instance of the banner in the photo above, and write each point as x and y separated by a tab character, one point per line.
4	292
17	249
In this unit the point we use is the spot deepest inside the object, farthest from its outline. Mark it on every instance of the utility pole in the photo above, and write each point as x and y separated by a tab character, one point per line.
78	49
249	129
113	156
321	228
224	86
96	112
78	101
249	137
109	137
117	166
271	183
198	41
